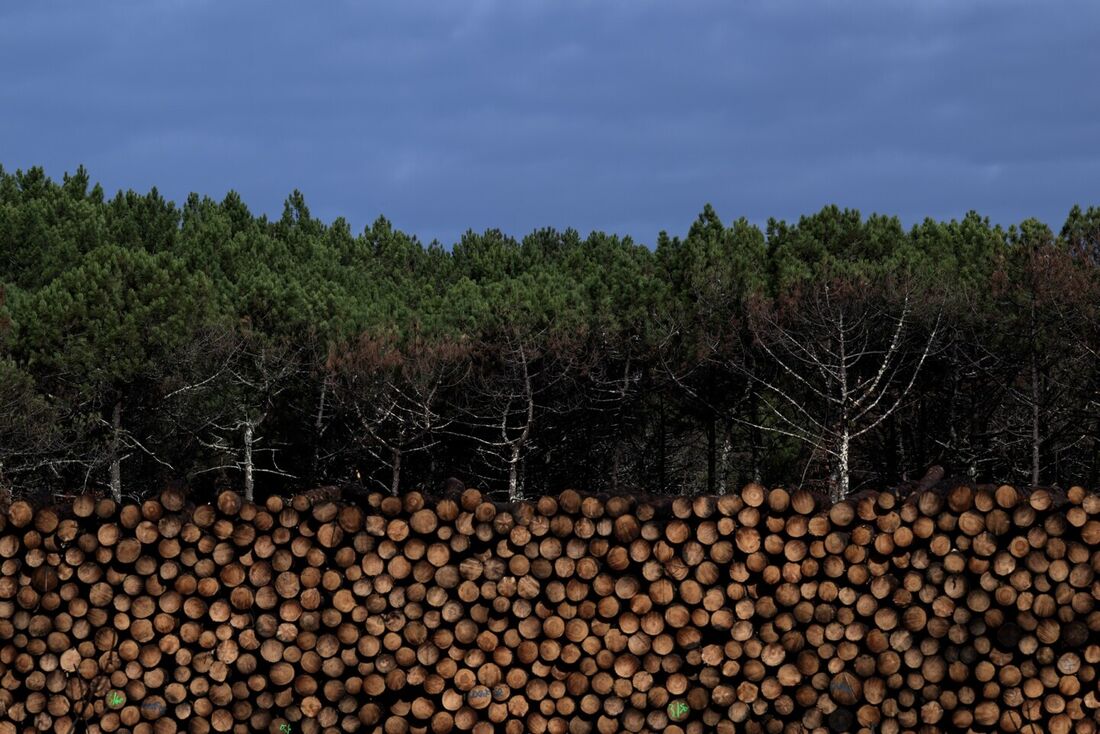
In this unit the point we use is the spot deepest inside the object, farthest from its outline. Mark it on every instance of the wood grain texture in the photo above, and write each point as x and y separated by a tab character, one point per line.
968	609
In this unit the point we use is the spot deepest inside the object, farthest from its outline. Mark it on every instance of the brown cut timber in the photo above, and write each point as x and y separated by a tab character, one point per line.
967	608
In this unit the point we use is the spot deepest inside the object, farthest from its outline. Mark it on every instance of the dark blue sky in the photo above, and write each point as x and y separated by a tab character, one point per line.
625	116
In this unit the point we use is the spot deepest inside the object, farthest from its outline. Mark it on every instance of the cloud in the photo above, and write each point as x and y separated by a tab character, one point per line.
531	113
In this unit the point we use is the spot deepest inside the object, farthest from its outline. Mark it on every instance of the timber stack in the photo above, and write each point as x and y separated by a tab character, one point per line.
973	609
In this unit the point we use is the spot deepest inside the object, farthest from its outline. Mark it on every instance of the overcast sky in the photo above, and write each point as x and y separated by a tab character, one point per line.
624	116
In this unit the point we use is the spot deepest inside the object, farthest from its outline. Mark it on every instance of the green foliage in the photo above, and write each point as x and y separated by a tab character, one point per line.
161	306
1081	234
840	243
111	319
44	227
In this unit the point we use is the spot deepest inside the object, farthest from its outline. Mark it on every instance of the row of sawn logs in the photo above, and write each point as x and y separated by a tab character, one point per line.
758	611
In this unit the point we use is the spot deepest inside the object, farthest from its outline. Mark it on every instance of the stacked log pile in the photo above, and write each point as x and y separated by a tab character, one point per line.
968	610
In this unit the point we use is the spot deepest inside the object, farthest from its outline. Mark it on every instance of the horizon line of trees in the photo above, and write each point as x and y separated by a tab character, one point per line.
141	342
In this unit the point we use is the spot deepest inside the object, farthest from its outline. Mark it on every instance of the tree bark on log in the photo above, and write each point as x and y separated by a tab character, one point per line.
971	607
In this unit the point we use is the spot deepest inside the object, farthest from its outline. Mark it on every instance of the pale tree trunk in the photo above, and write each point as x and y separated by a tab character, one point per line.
841	482
724	463
840	487
395	482
521	440
513	473
249	482
116	460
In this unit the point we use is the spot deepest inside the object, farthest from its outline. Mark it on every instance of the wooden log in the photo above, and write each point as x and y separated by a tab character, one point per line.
973	608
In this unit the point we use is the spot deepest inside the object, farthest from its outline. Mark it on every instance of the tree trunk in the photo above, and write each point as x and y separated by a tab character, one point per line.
724	461
894	453
840	486
952	430
1035	439
1094	470
972	451
248	479
661	446
521	441
902	454
756	438
617	451
840	477
116	461
318	423
513	473
395	483
616	461
712	454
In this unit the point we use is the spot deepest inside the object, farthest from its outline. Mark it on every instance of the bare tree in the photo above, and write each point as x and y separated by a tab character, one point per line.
393	394
1048	297
228	395
498	406
34	442
842	361
840	378
609	382
1063	283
